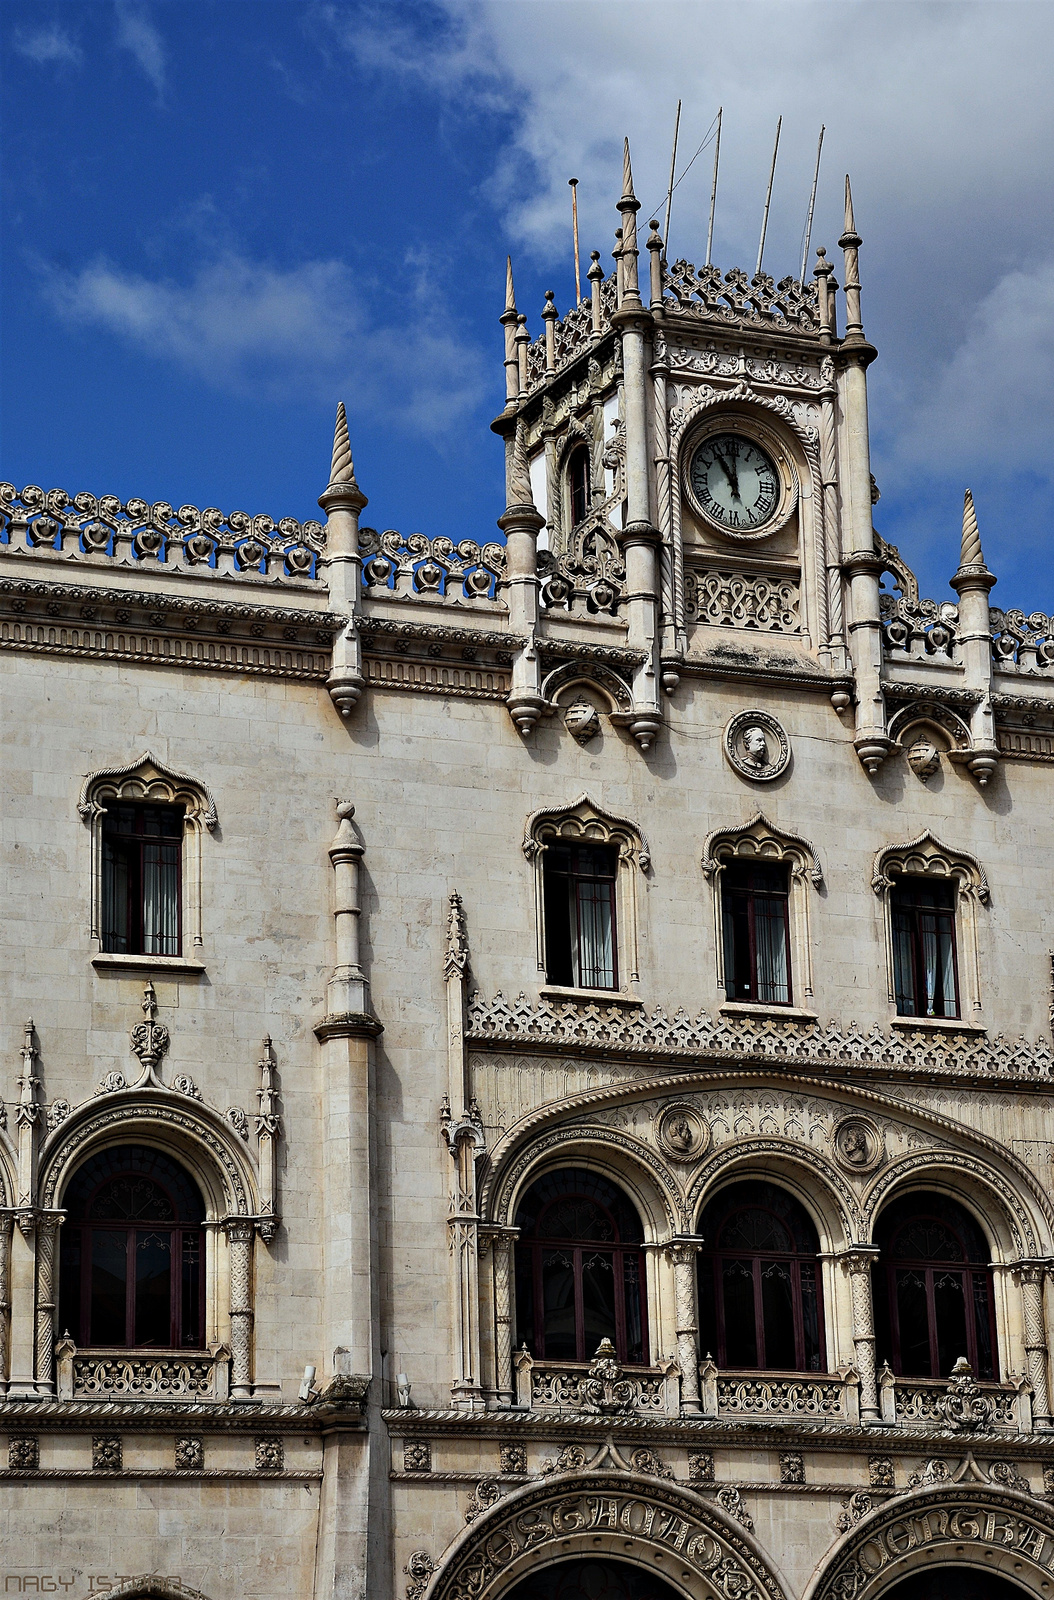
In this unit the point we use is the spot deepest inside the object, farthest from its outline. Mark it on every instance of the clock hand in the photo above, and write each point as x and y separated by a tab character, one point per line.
733	477
723	464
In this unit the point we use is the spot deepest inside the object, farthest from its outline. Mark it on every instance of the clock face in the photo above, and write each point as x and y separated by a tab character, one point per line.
735	482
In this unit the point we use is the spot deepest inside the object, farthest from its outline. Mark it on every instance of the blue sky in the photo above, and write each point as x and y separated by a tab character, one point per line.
223	215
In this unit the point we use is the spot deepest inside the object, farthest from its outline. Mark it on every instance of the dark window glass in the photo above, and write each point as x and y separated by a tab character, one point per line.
759	1281
579	1269
579	888
141	852
132	1248
924	965
578	484
933	1300
754	899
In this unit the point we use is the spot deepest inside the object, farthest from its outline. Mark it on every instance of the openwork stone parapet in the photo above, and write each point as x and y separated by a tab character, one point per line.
546	1024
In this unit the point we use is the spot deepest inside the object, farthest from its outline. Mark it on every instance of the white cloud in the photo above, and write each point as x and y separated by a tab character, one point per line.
992	404
137	34
258	329
46	45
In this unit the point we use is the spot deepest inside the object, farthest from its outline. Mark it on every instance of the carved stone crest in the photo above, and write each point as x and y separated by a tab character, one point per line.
681	1133
756	746
858	1145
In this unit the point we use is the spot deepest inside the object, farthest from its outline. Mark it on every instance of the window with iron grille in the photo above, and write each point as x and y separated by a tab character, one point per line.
755	925
933	1289
132	1252
579	1269
925	975
142	849
760	1296
580	933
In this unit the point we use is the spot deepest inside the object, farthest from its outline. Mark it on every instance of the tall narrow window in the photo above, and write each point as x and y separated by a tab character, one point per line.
933	1292
754	901
759	1281
141	870
132	1249
924	967
579	1269
578	484
580	944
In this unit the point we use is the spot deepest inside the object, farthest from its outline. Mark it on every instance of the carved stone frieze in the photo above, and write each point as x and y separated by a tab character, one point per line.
556	1025
764	602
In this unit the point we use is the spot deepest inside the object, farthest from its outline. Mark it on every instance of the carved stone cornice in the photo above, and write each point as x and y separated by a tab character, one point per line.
339	1410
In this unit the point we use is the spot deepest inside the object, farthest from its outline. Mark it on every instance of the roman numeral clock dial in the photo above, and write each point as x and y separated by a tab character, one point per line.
735	482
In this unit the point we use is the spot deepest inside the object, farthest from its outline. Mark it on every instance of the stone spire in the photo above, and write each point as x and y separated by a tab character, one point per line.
629	205
849	244
970	554
342	468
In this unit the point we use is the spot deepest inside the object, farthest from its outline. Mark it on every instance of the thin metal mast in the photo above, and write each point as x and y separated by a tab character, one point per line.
768	198
574	225
673	165
812	207
713	187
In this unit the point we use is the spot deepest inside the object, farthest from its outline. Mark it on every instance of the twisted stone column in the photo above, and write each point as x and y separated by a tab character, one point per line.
240	1245
857	1264
681	1253
47	1235
502	1247
1031	1275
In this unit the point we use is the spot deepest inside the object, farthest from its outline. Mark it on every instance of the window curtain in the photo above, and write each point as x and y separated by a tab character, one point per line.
770	937
593	930
160	900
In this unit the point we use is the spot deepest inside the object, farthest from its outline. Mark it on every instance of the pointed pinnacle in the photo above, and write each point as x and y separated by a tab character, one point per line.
850	235
342	469
971	542
510	293
627	173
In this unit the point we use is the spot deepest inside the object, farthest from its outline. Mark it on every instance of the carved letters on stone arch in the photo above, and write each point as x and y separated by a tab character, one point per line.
149	780
637	1520
971	1526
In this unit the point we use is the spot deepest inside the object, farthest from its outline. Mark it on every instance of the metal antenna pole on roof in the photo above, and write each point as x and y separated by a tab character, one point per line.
812	207
574	225
713	187
768	198
673	165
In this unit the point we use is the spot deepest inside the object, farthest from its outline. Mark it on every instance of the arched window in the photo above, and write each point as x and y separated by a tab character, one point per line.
132	1250
579	1269
578	484
760	1301
933	1289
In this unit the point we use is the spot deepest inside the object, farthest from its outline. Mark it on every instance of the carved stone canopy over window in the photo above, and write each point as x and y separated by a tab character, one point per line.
598	854
926	857
758	843
921	863
189	808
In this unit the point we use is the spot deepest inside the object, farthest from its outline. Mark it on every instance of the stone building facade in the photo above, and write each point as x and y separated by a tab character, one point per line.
643	1184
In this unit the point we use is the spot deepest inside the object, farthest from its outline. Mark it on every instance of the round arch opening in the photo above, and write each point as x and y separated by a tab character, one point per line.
953	1583
592	1578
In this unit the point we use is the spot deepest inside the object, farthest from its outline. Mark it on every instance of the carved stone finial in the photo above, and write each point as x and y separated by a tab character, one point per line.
964	1406
456	938
971	555
150	1041
850	236
28	1112
627	174
267	1120
510	292
342	469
